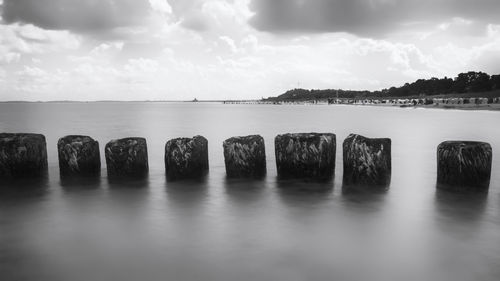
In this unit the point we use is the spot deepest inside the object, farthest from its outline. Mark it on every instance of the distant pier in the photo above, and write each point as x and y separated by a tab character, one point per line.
274	102
466	103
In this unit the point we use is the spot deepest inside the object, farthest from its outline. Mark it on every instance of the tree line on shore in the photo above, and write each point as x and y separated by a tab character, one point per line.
469	82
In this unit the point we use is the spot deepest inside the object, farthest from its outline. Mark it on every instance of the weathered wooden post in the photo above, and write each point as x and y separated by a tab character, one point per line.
245	157
305	155
78	155
464	165
127	157
186	158
367	161
22	155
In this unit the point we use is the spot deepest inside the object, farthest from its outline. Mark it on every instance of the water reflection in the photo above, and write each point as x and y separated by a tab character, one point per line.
128	182
24	187
187	194
76	182
244	191
202	177
464	188
465	208
459	235
128	195
360	189
299	192
364	200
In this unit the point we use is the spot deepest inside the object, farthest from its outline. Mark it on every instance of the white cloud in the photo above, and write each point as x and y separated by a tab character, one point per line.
141	66
493	30
161	6
107	48
3	75
31	39
483	57
7	56
230	43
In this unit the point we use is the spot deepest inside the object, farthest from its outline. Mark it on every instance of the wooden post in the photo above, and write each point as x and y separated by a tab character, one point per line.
22	155
127	157
245	157
367	161
186	158
305	155
464	165
78	155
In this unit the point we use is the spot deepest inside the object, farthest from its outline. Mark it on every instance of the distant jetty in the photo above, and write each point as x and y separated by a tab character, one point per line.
479	103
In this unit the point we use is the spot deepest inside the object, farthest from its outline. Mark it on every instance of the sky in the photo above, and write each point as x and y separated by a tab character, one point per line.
236	49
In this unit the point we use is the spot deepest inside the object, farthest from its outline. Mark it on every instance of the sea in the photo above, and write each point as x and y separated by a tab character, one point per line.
220	229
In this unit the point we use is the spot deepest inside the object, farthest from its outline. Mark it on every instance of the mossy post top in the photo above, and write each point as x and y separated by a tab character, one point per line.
248	139
75	138
382	141
464	144
5	137
305	136
128	140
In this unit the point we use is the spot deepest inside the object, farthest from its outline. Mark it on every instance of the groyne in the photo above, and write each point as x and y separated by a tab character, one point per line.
461	165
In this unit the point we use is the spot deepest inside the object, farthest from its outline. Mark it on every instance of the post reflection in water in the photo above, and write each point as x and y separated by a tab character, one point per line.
245	191
463	230
77	182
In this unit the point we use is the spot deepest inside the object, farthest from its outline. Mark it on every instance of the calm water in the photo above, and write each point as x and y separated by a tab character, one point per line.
248	230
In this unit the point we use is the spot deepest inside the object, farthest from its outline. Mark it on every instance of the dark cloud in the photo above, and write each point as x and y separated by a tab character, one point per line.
181	7
189	13
196	22
77	15
365	17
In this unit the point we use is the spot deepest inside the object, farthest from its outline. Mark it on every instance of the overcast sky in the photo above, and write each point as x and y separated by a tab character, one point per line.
230	49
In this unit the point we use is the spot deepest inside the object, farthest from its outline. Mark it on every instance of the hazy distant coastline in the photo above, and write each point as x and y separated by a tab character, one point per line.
465	85
471	91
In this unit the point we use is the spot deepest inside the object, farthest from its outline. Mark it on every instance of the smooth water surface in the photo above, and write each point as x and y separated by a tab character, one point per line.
218	229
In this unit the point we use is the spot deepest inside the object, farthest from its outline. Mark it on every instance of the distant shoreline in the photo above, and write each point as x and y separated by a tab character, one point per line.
471	107
479	107
488	107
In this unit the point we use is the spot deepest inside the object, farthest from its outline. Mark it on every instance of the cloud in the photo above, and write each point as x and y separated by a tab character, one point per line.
480	57
3	75
18	39
161	6
9	57
209	15
230	43
84	16
369	18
